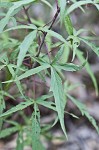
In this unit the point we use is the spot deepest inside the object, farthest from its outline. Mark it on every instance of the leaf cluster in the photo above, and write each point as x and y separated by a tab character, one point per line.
32	56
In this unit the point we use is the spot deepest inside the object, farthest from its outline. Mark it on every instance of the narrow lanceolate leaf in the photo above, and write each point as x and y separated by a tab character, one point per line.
91	45
20	142
33	71
15	6
3	23
44	97
47	3
11	70
58	55
32	27
65	56
84	111
2	105
59	96
6	132
36	145
88	69
25	45
47	104
77	5
20	106
68	25
55	34
6	94
69	66
62	5
28	74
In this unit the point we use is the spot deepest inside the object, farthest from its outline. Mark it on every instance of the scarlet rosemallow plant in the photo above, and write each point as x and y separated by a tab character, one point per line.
23	60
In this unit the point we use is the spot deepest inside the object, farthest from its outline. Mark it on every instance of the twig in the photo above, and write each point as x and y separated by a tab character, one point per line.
45	33
28	8
57	3
21	22
55	17
28	17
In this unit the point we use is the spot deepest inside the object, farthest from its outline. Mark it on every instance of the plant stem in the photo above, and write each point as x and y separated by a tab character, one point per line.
45	33
27	14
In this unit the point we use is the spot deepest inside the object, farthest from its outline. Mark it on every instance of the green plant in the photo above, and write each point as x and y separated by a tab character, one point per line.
22	60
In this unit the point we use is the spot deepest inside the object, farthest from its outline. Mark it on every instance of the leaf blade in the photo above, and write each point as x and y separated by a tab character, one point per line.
59	96
25	46
20	106
84	111
33	71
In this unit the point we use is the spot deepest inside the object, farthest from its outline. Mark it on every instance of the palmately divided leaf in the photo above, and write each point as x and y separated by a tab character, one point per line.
59	96
15	72
84	111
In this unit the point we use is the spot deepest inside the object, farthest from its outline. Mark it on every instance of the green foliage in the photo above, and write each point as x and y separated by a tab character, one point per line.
68	25
29	54
84	111
60	99
7	132
36	144
88	69
25	45
20	106
20	142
